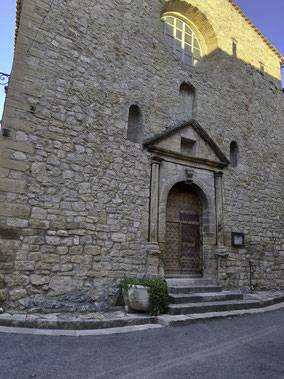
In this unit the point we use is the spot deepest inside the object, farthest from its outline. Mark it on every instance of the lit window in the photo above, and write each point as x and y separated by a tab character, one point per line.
182	39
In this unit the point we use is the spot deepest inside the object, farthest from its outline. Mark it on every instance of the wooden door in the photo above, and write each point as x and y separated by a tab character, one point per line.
183	232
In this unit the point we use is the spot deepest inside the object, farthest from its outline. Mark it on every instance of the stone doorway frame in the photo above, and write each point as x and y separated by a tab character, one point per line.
207	201
171	166
207	183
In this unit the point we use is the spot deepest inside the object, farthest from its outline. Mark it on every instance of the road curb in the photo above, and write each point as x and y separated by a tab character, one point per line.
79	333
78	324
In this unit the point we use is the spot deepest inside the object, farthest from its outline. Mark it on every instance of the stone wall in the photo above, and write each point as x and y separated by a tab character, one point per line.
75	193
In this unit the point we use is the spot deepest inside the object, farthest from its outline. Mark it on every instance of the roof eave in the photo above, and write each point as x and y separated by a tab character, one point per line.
19	6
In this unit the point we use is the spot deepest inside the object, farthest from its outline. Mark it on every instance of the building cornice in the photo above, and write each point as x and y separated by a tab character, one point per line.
19	6
268	43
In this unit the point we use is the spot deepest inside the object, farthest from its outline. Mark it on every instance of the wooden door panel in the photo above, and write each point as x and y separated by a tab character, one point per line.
190	248
183	232
172	261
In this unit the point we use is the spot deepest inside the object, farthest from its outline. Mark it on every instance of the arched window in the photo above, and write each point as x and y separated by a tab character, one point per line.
234	154
134	131
182	39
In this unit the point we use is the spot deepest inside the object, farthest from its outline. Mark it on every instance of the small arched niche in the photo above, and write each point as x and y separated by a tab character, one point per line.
134	130
234	154
187	97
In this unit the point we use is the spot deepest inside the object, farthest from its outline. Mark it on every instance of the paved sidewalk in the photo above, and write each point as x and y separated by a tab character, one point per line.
120	321
266	297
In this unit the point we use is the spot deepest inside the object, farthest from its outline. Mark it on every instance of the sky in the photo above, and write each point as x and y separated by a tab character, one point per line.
267	16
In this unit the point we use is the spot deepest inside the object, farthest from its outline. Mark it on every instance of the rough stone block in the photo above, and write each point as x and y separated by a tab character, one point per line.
17	210
39	213
64	284
39	280
9	233
3	295
118	237
92	250
17	222
17	294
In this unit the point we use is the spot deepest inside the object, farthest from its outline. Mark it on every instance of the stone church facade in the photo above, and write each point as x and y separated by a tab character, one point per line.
140	138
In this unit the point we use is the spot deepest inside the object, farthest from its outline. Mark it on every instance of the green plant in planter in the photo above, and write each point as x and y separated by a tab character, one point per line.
157	289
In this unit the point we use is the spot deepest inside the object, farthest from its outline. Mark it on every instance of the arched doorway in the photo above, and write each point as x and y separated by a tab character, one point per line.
183	252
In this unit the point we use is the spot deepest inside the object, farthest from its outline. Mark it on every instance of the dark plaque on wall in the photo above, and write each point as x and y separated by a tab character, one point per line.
238	239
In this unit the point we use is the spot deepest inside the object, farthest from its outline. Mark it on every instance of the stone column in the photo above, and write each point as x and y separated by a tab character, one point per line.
154	200
219	208
221	251
153	250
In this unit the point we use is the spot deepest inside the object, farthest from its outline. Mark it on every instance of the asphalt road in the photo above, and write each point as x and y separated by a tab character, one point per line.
251	347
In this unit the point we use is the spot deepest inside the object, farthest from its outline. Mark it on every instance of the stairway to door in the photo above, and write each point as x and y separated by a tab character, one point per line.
189	295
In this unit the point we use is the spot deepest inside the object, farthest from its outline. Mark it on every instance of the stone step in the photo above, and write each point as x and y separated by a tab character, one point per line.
193	289
169	276
188	281
204	297
216	306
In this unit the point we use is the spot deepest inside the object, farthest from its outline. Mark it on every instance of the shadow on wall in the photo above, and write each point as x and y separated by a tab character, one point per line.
135	125
221	85
187	97
204	31
238	72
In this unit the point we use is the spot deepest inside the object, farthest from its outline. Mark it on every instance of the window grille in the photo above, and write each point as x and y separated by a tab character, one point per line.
182	40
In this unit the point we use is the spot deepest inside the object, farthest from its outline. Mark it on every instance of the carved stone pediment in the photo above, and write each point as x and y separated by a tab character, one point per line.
188	142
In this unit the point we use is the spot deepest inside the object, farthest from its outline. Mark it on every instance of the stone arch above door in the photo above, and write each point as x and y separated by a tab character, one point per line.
200	186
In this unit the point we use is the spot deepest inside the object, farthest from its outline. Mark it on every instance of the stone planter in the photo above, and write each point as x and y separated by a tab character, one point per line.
138	298
126	301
